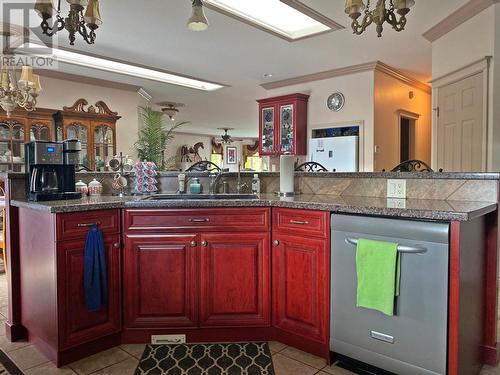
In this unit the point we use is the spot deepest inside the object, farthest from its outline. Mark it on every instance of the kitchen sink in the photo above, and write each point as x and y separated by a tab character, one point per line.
160	197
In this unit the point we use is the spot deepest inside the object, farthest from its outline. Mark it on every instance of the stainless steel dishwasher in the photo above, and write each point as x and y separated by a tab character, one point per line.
414	340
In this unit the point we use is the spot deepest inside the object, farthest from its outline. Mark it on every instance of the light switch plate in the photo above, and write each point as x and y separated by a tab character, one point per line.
396	203
396	189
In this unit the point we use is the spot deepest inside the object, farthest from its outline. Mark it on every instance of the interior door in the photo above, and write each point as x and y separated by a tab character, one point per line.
461	130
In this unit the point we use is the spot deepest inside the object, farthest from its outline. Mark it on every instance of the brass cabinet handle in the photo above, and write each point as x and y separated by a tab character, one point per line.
201	220
117	245
276	243
299	222
204	243
193	243
83	225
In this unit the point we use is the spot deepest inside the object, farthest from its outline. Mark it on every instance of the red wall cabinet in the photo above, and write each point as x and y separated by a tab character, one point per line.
300	273
235	280
283	125
160	273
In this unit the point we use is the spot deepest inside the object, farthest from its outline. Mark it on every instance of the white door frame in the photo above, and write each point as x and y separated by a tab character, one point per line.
480	66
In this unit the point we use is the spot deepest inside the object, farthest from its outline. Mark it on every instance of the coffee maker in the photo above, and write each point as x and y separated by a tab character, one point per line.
50	168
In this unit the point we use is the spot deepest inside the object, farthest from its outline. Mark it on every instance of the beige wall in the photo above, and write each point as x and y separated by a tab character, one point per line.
187	139
358	91
391	96
59	93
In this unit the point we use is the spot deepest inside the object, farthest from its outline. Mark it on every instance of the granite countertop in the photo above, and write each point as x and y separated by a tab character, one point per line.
410	208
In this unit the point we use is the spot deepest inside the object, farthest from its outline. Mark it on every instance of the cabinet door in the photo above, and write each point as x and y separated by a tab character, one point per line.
80	130
103	144
301	285
287	131
235	280
160	281
77	325
267	142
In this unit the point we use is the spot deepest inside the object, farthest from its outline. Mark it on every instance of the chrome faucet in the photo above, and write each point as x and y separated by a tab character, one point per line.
239	184
215	179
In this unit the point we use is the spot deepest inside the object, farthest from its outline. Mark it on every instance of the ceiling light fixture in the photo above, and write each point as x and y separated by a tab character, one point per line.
76	22
171	109
379	15
198	21
113	66
22	92
272	15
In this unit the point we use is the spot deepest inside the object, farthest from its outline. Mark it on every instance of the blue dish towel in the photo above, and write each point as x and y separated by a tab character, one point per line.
95	279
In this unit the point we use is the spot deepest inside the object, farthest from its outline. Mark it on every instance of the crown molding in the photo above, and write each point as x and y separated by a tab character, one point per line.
457	18
410	81
348	70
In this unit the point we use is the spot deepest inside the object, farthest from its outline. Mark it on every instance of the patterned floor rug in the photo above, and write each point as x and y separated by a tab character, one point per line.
7	367
206	359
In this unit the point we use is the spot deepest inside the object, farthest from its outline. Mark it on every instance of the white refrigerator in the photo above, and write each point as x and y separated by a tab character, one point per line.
336	153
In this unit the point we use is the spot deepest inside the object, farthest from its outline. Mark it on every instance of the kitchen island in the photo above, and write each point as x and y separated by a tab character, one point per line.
281	247
260	289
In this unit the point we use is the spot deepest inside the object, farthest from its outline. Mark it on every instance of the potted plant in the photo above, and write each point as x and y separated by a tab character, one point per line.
154	137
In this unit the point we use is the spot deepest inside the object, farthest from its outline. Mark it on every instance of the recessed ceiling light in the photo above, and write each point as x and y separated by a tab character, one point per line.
268	75
273	15
113	66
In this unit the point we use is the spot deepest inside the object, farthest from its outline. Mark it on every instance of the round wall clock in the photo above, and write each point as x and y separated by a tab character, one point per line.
336	101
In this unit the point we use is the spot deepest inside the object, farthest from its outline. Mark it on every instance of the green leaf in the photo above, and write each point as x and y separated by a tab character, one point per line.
154	136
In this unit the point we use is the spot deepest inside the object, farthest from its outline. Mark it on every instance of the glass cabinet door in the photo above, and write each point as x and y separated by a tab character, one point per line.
103	146
11	146
39	132
80	131
268	140
286	128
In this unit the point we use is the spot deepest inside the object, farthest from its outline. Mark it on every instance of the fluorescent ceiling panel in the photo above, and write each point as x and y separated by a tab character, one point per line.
272	15
94	62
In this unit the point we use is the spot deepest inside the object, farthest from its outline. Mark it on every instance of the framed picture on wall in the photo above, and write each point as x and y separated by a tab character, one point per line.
232	155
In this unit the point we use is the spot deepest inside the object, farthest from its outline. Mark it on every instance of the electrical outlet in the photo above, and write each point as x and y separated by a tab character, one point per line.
168	339
396	203
396	189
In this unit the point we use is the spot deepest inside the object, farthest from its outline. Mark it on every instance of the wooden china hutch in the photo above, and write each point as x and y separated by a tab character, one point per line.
20	128
95	127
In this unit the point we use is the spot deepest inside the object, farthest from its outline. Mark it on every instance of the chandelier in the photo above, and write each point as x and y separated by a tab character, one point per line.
379	15
76	22
22	92
226	138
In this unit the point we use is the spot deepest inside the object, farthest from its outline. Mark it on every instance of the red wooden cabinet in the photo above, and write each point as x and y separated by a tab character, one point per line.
76	324
300	279
283	125
196	268
160	281
235	280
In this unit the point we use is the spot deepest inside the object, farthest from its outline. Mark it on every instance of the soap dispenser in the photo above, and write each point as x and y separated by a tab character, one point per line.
195	186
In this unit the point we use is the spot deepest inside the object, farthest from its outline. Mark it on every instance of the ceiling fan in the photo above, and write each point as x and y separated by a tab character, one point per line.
226	138
171	109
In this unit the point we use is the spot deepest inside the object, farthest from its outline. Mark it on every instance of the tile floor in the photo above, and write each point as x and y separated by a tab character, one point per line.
123	359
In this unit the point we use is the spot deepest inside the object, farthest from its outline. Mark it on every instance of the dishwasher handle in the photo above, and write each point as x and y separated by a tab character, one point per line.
402	249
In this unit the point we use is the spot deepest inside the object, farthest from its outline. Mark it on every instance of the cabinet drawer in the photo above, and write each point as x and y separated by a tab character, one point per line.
213	219
72	226
311	223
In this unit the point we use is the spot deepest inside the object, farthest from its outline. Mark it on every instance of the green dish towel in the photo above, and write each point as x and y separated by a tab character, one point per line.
378	268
